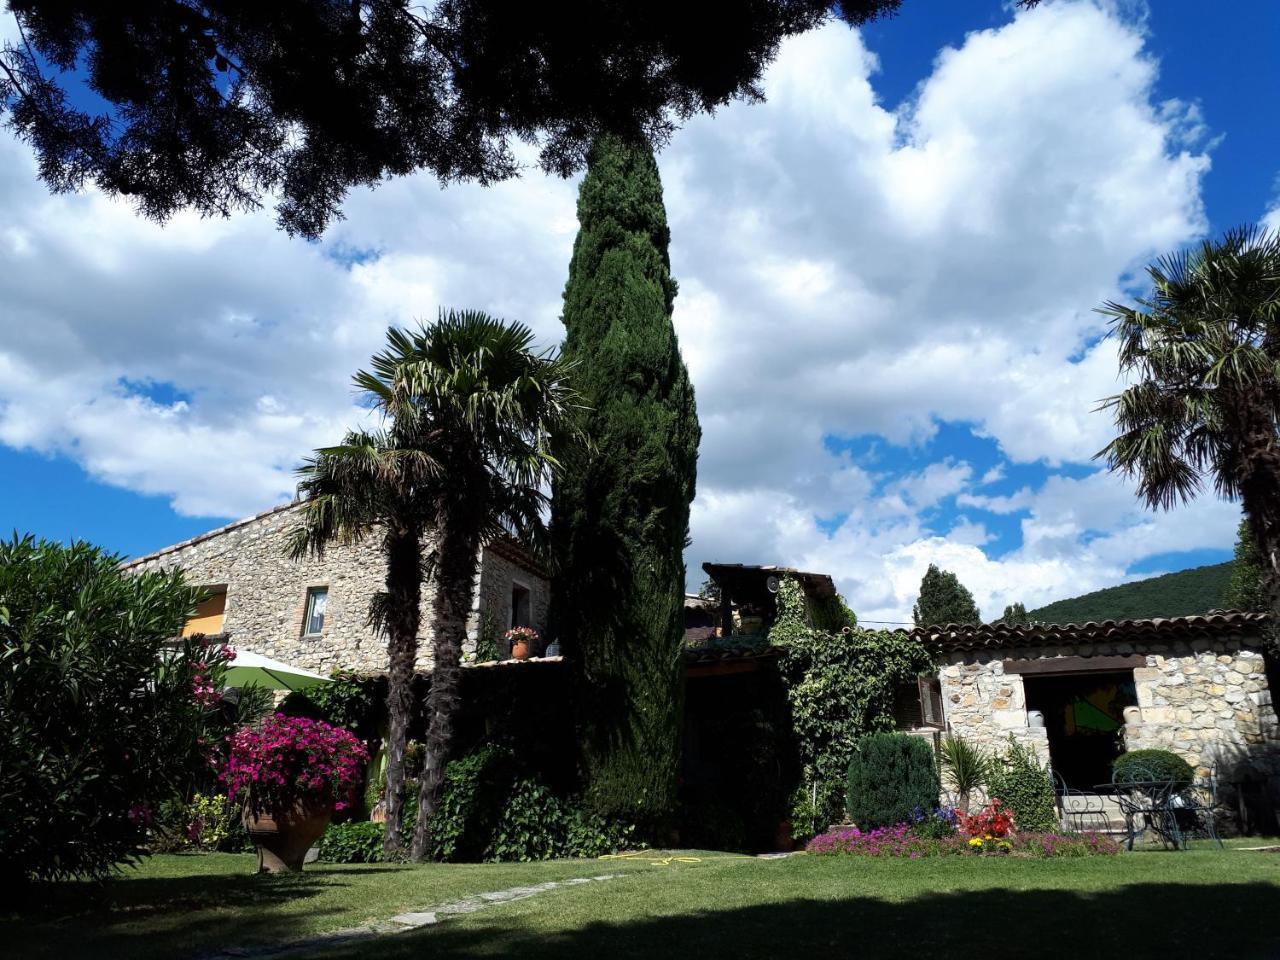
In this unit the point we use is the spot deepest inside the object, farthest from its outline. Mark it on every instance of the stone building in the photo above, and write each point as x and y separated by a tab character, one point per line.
312	613
1080	694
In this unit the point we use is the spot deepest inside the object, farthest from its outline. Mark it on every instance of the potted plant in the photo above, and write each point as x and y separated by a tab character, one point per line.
290	774
522	640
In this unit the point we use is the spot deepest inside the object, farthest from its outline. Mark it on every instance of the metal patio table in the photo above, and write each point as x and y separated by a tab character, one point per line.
1150	805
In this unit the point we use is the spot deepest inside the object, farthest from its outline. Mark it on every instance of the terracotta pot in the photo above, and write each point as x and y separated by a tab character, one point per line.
283	837
783	842
520	649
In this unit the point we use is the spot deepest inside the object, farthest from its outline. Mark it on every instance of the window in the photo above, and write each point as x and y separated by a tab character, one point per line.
209	614
313	619
520	616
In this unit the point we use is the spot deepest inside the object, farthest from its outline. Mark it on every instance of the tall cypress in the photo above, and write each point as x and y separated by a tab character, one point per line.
620	514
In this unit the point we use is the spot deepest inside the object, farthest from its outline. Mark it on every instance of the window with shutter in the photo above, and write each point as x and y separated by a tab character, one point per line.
931	702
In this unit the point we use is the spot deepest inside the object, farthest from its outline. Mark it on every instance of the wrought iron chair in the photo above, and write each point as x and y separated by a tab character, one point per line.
1194	809
1079	811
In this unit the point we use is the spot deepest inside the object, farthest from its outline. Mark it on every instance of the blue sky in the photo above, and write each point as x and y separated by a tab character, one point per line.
887	275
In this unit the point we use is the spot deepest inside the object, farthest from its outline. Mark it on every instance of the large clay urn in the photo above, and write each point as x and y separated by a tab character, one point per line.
283	837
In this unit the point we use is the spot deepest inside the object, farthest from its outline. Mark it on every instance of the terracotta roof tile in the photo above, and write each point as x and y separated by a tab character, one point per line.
1215	624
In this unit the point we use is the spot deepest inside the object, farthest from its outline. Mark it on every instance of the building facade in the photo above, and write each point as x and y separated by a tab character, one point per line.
1080	694
313	613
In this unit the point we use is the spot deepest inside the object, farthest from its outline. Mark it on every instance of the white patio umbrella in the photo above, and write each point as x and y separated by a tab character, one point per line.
254	670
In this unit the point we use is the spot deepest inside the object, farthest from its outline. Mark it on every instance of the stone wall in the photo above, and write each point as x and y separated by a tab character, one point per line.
984	705
267	593
1207	700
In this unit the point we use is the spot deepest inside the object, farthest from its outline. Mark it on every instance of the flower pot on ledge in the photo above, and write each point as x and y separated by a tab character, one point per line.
283	837
520	649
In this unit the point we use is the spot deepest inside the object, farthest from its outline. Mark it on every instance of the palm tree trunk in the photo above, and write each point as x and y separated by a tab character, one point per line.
456	557
404	594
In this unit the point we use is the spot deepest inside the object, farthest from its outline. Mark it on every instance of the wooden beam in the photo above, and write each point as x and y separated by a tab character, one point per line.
1052	665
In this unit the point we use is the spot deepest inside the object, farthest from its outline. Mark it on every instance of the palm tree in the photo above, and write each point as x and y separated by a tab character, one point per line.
1205	348
470	413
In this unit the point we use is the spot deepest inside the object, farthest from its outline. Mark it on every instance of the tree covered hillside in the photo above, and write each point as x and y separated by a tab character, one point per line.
1173	595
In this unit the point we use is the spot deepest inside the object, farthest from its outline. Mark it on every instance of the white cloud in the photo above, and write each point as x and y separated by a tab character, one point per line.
844	270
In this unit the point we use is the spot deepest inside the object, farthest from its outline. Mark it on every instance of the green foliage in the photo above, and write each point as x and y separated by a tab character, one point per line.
1181	594
892	777
1245	589
359	841
487	642
490	811
213	821
944	599
620	515
1138	765
1020	783
103	719
840	687
353	701
964	767
1015	615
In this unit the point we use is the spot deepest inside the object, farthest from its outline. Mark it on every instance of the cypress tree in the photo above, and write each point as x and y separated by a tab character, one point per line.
944	599
1245	590
1015	615
620	513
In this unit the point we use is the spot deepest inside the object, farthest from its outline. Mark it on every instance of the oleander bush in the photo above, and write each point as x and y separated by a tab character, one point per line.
1152	765
105	715
892	777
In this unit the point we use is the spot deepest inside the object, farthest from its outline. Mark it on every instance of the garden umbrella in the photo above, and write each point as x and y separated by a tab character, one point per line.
255	670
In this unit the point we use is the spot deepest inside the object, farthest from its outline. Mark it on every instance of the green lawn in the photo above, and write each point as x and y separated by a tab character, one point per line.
1203	903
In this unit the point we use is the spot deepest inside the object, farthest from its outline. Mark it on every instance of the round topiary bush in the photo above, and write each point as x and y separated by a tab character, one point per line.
1138	765
892	777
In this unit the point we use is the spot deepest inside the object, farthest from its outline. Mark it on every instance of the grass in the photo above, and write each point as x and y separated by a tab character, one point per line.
1204	903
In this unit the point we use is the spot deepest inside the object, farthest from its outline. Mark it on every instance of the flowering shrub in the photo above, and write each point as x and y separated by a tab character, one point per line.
899	841
992	822
286	759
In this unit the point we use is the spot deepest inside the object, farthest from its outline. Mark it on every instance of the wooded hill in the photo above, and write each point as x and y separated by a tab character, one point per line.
1180	594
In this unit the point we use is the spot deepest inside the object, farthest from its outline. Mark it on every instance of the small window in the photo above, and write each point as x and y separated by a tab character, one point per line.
317	601
210	613
520	616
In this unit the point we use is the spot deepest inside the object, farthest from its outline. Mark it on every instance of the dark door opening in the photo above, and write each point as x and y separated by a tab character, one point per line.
1084	717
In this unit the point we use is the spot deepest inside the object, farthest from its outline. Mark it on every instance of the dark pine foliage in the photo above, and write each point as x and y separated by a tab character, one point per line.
209	105
621	509
1015	615
944	599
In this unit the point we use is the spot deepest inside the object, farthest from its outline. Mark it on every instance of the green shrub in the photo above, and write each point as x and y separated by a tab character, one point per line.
491	811
891	778
1024	786
104	718
357	842
1152	765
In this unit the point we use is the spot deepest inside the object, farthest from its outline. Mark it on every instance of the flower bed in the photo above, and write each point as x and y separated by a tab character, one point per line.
945	832
903	841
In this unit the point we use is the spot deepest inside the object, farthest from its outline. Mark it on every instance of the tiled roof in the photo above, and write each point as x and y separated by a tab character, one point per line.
1217	624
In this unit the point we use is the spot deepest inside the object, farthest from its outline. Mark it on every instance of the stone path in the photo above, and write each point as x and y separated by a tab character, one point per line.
412	920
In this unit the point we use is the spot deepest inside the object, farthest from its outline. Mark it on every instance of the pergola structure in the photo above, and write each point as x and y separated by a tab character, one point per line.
753	589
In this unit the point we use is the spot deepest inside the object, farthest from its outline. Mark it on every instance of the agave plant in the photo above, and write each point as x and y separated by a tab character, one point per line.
964	767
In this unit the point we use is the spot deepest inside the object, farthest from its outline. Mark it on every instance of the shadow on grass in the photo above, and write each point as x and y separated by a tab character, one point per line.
1131	922
168	916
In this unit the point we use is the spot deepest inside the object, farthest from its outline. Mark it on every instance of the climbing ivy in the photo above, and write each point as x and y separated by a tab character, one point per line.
840	686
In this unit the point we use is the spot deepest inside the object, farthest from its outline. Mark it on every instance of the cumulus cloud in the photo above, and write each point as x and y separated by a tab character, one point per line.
846	269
